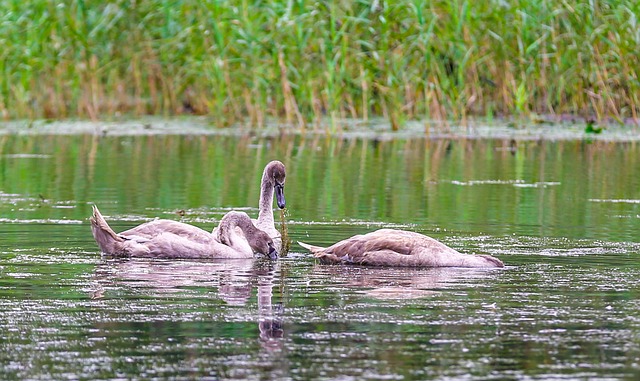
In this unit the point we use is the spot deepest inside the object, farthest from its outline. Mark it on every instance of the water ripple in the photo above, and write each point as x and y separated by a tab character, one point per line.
40	221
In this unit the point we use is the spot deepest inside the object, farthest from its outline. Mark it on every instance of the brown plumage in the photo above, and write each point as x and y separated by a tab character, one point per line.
391	247
172	239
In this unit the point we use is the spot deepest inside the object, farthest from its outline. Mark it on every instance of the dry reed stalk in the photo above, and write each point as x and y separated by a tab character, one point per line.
290	104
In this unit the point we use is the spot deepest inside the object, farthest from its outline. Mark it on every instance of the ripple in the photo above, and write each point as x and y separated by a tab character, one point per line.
540	184
515	183
40	221
20	275
545	246
485	182
616	201
354	223
26	156
15	198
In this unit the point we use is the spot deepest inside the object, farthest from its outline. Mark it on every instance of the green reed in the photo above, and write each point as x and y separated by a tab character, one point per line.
308	63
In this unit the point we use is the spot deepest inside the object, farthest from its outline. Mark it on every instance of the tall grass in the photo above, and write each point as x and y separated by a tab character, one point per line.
310	62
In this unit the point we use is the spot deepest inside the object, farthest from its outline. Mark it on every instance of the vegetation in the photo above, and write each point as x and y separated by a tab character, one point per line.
307	62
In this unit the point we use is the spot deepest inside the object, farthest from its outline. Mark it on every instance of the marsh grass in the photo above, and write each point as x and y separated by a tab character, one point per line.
308	62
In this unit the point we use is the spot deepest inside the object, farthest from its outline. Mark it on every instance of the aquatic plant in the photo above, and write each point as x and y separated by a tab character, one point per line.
307	62
284	233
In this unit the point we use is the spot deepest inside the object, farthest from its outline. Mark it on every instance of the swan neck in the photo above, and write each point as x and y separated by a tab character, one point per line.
266	200
228	236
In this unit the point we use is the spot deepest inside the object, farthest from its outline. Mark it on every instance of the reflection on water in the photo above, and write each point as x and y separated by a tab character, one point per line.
544	189
563	216
399	283
234	281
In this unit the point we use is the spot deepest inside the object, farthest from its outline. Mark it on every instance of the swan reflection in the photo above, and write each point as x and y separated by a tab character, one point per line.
233	279
400	283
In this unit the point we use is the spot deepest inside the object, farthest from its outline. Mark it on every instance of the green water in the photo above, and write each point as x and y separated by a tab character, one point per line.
564	216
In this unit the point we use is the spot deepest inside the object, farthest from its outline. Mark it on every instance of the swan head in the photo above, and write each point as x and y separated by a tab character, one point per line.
261	243
276	172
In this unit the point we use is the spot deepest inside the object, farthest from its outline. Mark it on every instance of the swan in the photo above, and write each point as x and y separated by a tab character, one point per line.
273	178
172	239
401	248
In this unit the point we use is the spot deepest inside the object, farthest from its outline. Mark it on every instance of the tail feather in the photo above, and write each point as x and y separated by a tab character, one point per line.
102	232
313	249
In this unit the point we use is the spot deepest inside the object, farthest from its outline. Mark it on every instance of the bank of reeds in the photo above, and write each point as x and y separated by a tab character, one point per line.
304	62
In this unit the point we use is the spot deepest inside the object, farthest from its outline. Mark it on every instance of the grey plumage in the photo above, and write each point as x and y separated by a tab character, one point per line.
172	239
392	247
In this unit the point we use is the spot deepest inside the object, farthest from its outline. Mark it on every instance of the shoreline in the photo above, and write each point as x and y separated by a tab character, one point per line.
378	129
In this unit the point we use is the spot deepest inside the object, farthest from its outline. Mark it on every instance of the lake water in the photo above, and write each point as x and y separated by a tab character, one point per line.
564	216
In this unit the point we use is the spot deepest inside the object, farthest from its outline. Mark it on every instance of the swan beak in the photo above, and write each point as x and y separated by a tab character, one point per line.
279	188
273	253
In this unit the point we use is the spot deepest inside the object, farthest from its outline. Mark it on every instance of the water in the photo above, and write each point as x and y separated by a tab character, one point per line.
562	215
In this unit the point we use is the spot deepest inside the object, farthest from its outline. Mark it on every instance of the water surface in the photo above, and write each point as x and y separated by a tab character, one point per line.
562	215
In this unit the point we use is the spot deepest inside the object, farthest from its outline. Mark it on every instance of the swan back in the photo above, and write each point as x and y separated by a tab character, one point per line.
172	239
391	247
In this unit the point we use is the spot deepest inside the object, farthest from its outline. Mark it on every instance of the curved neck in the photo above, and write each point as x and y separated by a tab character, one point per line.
265	215
228	236
240	244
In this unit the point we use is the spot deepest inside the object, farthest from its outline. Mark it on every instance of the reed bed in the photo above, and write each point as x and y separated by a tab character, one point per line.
307	63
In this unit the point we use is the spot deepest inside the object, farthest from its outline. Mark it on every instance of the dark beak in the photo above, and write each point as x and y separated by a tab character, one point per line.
280	196
273	253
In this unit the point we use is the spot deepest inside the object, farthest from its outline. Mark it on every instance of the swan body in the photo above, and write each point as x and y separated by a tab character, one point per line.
172	239
391	247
